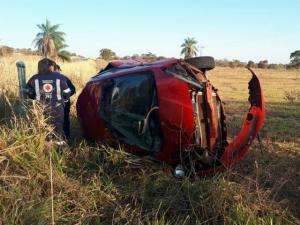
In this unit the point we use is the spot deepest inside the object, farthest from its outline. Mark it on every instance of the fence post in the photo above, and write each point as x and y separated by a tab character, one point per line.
22	79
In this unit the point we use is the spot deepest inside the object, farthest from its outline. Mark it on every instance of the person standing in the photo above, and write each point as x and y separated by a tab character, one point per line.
67	103
52	91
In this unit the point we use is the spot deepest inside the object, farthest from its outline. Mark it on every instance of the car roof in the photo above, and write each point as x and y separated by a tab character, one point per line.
123	67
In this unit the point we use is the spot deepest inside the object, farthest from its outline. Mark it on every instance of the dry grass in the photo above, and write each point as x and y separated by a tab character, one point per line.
98	185
77	71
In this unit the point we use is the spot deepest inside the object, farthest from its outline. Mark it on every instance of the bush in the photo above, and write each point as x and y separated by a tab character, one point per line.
276	66
251	64
236	63
263	64
233	64
107	54
293	66
6	51
222	62
26	51
291	96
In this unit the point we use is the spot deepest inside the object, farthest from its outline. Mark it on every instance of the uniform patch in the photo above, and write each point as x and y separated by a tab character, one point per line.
47	88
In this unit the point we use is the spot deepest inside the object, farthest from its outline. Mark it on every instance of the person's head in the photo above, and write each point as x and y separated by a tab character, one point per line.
57	68
45	66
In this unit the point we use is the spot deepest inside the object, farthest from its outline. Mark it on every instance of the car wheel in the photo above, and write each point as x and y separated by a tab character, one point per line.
203	63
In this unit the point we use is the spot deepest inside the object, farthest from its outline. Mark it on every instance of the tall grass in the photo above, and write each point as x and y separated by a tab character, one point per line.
95	184
98	185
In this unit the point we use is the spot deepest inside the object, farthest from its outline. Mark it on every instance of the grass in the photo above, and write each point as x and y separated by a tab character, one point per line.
95	184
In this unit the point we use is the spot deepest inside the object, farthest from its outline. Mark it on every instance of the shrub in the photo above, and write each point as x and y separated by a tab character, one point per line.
107	54
236	63
276	66
6	51
263	64
251	64
293	66
291	96
222	62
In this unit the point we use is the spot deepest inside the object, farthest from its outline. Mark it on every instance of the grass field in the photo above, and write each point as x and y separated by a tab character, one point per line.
98	185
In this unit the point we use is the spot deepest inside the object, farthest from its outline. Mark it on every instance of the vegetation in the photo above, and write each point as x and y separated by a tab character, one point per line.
292	96
6	51
232	64
50	41
107	54
95	184
147	57
295	59
263	64
251	64
189	48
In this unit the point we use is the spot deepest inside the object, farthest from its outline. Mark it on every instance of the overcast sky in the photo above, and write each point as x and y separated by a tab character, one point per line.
244	30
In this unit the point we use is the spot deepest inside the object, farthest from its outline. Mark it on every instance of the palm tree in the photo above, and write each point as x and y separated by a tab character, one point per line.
189	48
63	54
49	40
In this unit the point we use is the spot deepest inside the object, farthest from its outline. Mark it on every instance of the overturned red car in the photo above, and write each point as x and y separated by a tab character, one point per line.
169	110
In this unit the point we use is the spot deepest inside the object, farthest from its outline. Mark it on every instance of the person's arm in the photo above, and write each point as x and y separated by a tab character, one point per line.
66	91
30	89
71	86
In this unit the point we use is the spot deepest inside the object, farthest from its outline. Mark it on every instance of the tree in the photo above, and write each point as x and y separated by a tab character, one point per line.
150	57
250	64
136	56
263	64
62	54
49	41
295	58
107	54
189	48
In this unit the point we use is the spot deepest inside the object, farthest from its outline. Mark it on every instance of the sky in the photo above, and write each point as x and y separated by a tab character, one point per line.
231	29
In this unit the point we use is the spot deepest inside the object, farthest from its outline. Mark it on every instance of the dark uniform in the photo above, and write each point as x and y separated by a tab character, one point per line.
67	108
51	89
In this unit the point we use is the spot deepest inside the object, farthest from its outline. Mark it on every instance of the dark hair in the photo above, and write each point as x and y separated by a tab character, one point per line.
57	67
44	65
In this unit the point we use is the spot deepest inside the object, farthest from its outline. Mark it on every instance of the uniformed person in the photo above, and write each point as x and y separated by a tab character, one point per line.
51	90
67	103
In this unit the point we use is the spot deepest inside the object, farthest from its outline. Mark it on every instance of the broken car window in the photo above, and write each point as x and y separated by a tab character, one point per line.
180	72
125	104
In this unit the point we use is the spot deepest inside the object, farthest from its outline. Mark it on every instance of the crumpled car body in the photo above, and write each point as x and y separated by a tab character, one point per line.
168	110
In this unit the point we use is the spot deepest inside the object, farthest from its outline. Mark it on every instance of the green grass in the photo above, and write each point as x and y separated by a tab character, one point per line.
95	184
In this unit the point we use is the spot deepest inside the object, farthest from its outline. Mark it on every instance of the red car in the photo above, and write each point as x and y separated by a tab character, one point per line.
169	110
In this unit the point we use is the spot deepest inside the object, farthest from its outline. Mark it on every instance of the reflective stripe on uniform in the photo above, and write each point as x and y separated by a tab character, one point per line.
58	89
37	89
68	90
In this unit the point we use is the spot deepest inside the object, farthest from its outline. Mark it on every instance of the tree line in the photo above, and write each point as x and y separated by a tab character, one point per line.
50	42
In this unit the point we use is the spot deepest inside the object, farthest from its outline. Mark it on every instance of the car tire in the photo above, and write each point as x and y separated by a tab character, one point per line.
203	63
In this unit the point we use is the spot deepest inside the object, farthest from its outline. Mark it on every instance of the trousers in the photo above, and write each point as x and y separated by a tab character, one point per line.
55	117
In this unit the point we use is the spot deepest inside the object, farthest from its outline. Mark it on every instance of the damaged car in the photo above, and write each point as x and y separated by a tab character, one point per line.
168	110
